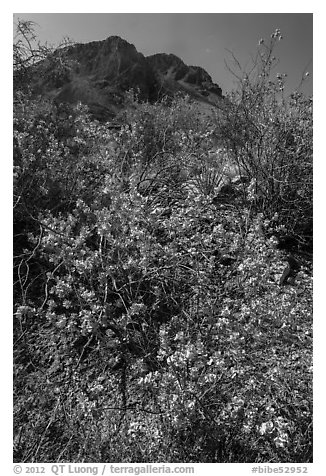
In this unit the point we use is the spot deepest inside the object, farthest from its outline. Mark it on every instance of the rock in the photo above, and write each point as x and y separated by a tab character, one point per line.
290	270
99	73
172	69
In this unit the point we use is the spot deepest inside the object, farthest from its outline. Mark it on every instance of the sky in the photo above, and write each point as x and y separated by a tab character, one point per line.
200	39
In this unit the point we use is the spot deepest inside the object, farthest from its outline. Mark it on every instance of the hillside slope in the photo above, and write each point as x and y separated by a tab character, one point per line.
100	73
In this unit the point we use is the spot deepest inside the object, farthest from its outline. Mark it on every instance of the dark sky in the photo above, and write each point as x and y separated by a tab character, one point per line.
200	39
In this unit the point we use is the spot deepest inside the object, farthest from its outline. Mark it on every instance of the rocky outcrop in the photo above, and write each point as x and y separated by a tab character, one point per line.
99	74
113	63
169	68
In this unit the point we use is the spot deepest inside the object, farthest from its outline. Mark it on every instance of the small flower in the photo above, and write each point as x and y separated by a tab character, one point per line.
280	441
266	427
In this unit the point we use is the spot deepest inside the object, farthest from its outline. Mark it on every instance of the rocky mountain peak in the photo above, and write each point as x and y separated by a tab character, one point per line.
100	72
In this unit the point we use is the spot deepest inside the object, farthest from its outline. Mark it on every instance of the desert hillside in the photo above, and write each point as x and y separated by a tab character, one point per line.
162	260
100	73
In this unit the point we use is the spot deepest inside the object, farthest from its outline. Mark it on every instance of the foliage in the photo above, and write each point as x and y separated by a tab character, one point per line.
149	324
269	137
33	60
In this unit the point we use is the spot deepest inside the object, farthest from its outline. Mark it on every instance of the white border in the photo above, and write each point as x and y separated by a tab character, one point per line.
275	6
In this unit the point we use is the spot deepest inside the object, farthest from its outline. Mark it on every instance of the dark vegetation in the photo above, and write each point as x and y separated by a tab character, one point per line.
153	321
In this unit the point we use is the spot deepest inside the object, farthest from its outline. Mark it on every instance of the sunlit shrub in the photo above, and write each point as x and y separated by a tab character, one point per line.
149	322
269	137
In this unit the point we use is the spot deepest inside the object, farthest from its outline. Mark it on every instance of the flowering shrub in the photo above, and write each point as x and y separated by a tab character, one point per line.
269	138
149	322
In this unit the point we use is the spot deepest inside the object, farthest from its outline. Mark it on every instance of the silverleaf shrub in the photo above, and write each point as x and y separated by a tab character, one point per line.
149	324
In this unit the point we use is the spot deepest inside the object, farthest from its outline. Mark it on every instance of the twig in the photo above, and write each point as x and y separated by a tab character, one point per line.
47	427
